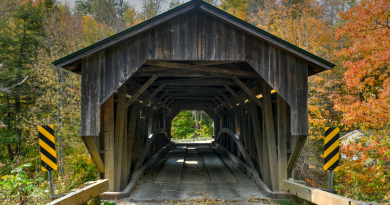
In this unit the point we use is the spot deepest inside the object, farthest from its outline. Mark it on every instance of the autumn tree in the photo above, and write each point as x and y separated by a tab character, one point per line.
151	8
365	174
21	38
174	3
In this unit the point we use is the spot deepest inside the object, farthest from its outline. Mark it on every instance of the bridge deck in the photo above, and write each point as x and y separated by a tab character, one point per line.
204	173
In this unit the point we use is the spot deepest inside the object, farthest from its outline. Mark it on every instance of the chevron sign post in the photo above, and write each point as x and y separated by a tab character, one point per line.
48	152
332	151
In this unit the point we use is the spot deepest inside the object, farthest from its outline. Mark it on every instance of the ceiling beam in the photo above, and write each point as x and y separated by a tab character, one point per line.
199	68
168	72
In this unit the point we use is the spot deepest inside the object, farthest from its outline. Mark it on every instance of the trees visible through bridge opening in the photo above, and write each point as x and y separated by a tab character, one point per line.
192	124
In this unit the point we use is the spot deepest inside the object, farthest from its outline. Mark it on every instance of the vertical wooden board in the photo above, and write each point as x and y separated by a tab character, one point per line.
95	96
167	41
292	93
296	96
282	139
116	66
302	101
218	39
109	146
182	50
229	42
201	36
152	44
271	137
131	132
101	74
299	98
266	68
192	40
256	58
291	80
304	105
108	73
282	74
124	175
85	97
271	66
160	41
240	44
210	38
265	157
175	43
260	63
119	131
142	54
124	61
277	69
223	36
249	49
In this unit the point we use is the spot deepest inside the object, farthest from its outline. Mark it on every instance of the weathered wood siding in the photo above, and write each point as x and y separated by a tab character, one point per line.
193	36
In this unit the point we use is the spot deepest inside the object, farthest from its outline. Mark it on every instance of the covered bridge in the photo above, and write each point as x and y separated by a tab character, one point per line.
194	57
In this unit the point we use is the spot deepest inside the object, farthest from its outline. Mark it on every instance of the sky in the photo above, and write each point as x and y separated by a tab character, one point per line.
136	3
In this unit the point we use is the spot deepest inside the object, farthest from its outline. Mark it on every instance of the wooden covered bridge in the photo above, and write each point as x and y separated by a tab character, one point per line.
194	57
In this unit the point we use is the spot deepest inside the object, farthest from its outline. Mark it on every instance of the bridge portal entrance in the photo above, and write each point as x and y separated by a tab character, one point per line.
254	86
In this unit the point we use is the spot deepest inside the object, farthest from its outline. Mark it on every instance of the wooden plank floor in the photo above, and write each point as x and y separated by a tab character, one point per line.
218	172
173	167
195	182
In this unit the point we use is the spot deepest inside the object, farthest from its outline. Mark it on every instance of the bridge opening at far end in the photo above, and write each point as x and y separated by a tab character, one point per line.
192	126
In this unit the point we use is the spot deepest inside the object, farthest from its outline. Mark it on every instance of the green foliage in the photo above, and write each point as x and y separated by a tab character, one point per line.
21	39
174	3
108	203
17	186
184	125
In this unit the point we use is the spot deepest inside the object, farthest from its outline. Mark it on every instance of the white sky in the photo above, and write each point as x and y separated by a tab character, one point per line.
136	3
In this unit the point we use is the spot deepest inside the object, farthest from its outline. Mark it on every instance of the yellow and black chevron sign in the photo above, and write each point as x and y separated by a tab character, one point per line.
332	153
48	147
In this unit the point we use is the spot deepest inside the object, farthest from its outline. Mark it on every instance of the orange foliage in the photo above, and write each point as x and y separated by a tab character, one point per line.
367	78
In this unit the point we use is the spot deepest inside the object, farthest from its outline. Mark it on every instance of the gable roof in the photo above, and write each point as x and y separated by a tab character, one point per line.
204	7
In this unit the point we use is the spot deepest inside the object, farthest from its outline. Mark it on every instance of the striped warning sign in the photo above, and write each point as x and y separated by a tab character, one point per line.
48	148
332	153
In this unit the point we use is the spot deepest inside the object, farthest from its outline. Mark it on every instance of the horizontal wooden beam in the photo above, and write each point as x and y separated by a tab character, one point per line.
193	98
208	63
168	72
316	195
199	68
195	81
83	195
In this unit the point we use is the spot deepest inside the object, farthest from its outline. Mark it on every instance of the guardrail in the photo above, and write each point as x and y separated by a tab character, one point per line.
303	194
83	195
